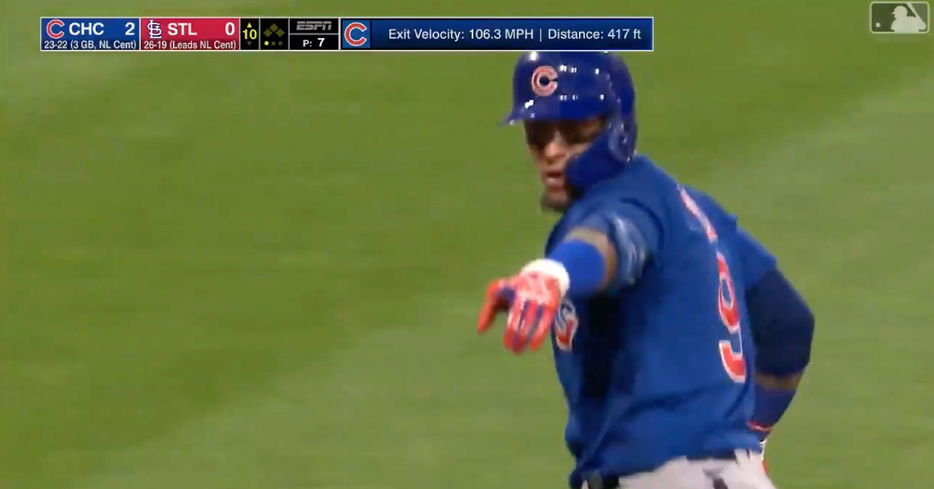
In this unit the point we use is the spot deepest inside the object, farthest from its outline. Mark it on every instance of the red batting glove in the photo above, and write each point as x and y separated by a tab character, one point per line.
532	299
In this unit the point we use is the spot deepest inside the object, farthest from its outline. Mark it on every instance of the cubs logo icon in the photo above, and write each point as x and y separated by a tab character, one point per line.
55	33
544	81
566	323
355	34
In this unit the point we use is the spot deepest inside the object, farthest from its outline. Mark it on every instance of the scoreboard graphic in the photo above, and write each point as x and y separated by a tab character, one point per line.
290	34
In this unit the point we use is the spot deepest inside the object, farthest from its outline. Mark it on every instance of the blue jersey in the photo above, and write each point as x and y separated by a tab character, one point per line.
658	366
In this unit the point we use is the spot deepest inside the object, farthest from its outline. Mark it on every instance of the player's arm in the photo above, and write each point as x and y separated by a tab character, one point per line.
606	249
624	234
783	328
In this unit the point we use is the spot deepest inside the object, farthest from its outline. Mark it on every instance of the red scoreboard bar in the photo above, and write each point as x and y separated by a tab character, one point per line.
189	34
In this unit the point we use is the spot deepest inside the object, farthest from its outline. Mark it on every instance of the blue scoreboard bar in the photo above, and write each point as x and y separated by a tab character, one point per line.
89	34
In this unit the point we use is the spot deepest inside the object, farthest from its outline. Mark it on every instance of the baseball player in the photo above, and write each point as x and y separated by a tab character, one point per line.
677	341
903	23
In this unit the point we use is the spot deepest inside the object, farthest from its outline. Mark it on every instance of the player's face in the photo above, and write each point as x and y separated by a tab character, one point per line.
552	144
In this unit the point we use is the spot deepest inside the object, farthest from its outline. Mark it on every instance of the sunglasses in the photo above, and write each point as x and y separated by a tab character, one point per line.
539	133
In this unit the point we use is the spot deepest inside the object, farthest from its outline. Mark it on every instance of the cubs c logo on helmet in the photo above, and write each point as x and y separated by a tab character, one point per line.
544	81
566	323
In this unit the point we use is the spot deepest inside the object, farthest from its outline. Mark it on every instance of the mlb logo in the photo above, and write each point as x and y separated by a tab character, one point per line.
355	34
899	17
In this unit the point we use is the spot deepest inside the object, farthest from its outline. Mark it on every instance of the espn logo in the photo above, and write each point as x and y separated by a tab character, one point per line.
313	26
899	17
355	34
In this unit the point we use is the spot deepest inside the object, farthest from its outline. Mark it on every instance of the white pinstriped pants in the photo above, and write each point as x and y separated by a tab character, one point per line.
746	472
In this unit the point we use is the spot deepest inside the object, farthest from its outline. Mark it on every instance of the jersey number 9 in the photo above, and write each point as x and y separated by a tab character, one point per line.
733	361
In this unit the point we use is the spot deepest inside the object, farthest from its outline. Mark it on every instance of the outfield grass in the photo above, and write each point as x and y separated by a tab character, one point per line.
241	271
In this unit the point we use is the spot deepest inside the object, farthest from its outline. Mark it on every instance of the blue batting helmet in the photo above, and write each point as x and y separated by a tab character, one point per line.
577	86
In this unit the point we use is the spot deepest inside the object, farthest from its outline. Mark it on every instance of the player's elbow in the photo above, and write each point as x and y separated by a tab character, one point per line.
789	349
783	326
799	332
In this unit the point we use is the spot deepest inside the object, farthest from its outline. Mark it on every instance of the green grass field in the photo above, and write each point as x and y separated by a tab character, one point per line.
200	291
